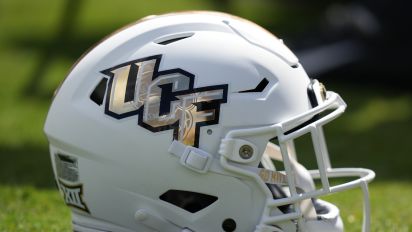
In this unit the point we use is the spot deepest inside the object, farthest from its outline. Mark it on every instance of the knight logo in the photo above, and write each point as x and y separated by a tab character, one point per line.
73	196
163	100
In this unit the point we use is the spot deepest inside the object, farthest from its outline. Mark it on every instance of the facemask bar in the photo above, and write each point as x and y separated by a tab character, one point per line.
282	131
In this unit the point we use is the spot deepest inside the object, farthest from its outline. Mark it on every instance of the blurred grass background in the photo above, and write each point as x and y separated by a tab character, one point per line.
40	40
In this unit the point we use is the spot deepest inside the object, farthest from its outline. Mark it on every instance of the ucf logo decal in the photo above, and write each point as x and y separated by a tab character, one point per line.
163	100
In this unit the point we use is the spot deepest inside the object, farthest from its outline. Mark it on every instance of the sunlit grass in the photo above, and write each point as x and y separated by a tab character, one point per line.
389	203
25	208
380	110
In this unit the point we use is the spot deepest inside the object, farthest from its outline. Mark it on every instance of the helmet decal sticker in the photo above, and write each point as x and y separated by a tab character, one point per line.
68	172
67	168
73	195
163	100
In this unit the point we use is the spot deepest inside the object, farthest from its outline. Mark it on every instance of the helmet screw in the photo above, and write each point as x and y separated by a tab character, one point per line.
246	151
229	225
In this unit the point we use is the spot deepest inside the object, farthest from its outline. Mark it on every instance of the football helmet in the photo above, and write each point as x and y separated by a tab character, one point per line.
187	122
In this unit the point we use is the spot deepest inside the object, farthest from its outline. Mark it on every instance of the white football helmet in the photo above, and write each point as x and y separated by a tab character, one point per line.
165	126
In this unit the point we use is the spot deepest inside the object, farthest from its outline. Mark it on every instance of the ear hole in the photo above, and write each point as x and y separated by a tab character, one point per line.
97	95
189	201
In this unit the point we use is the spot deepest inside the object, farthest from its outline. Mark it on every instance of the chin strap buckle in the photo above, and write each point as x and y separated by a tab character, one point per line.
191	157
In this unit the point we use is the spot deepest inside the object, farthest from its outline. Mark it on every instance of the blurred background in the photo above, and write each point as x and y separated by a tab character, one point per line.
360	49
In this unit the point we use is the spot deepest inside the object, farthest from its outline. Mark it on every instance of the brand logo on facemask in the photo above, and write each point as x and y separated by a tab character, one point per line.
163	100
73	196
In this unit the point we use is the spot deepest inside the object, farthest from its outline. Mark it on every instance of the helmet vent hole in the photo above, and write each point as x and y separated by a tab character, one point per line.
189	201
97	95
173	38
259	88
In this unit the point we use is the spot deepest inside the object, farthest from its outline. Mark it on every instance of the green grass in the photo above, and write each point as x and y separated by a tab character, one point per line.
26	208
37	48
389	207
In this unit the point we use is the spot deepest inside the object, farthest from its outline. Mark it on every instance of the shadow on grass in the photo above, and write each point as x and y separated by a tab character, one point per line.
384	149
26	165
53	47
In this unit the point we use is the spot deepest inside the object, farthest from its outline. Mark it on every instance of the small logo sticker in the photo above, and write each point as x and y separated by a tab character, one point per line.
73	196
66	167
67	171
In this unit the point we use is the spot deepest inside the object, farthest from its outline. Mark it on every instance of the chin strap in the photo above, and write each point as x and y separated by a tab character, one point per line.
191	157
200	161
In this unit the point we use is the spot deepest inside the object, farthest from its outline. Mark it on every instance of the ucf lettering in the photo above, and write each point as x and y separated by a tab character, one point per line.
163	100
